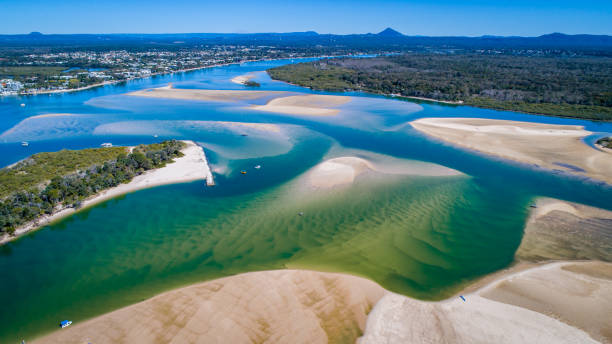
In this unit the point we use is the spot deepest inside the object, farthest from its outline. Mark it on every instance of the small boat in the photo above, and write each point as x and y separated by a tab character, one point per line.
243	172
301	213
155	135
244	135
257	167
462	298
533	206
65	323
22	105
106	145
25	143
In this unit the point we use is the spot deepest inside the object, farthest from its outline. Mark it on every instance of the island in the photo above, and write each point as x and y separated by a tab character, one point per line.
48	186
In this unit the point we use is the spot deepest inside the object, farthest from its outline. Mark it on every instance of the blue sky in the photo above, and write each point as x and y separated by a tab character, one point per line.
435	18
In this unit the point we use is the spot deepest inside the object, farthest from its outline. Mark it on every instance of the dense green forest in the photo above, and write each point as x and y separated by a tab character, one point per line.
559	86
45	182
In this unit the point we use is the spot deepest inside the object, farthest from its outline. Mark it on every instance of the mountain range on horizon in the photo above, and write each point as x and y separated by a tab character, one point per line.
385	38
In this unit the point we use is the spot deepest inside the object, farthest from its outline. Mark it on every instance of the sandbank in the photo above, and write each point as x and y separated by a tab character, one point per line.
192	166
270	127
554	147
560	230
554	303
169	92
285	306
343	170
305	105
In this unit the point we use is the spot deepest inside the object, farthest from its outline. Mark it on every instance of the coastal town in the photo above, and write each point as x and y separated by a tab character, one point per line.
53	72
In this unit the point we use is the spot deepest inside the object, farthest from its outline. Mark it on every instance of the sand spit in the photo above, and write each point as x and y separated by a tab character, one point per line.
285	306
555	303
305	105
555	147
242	79
343	170
559	230
192	166
169	92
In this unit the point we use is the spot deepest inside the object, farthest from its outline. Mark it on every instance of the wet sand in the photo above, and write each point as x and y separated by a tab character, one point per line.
559	230
554	147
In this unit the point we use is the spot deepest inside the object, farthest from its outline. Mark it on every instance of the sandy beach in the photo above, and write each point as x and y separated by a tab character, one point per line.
169	92
554	147
192	166
554	303
305	105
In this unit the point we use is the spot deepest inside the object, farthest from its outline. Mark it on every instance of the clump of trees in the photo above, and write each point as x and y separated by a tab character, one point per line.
71	189
251	83
605	142
560	86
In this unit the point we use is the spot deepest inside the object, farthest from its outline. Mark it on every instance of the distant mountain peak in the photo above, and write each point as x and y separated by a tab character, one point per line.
389	32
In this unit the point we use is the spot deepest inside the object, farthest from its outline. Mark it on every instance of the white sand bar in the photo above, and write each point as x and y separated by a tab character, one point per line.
192	166
305	105
169	92
242	79
557	147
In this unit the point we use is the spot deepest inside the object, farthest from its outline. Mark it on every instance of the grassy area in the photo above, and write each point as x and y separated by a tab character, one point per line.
45	182
23	72
42	167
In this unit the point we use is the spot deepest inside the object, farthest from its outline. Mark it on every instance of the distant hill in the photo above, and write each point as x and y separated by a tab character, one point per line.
389	32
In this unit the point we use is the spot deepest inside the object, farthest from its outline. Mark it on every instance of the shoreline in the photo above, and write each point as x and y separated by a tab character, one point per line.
190	167
106	83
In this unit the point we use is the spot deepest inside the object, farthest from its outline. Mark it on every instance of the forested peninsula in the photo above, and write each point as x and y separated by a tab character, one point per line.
45	183
579	87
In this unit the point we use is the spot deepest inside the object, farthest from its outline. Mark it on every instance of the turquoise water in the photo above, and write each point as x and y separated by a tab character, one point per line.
420	236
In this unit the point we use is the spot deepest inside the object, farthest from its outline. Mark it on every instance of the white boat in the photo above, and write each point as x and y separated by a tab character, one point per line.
106	145
258	167
25	143
22	105
65	323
